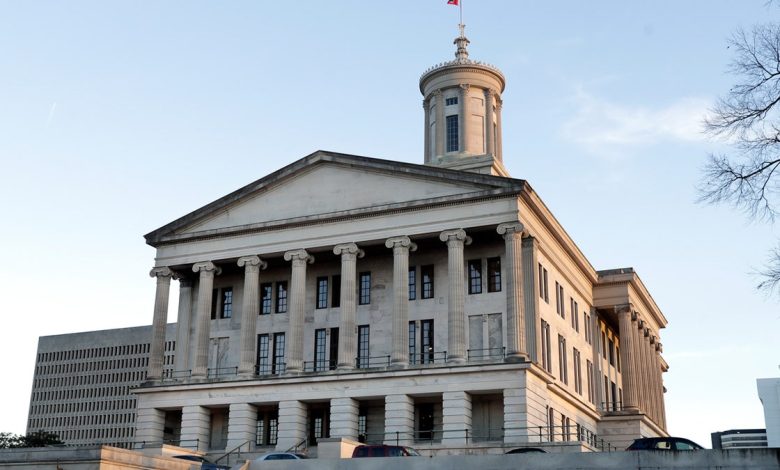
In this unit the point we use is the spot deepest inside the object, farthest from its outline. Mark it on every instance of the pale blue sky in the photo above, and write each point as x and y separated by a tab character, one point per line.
118	117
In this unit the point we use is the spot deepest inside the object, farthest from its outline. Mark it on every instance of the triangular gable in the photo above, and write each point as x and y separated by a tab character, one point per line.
326	183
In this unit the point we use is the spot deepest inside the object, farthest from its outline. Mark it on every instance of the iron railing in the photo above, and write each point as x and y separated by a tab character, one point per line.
487	354
219	372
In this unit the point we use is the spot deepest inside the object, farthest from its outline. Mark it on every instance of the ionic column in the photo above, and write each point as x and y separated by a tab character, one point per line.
463	118
456	321
531	299
207	271
654	396
659	348
401	247
183	322
489	141
299	258
348	324
516	349
157	347
641	366
427	113
627	357
249	309
439	122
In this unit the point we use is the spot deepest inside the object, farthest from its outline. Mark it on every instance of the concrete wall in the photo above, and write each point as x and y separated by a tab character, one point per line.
754	459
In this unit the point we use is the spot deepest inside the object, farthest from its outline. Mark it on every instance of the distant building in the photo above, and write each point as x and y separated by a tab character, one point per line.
83	384
769	393
739	439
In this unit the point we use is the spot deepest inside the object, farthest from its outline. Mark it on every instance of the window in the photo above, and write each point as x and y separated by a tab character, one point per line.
563	367
575	315
363	349
412	342
543	292
617	357
365	288
266	297
451	101
475	276
335	296
334	348
611	352
559	300
281	297
426	342
278	365
452	133
263	366
586	323
222	303
546	347
319	349
267	428
426	273
494	274
551	423
577	371
604	344
412	283
322	292
589	372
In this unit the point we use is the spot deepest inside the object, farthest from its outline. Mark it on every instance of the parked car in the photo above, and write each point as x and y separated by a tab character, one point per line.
664	443
384	451
205	464
281	456
527	450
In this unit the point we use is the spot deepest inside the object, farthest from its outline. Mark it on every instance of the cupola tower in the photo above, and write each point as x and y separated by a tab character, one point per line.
462	104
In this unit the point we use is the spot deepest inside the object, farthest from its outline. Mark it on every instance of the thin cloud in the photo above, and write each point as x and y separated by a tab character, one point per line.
52	110
604	127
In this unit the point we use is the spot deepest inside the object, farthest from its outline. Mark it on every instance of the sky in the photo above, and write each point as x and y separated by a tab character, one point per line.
119	117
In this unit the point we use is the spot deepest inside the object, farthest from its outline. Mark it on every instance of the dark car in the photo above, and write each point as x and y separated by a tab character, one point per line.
282	456
384	451
664	443
527	450
205	464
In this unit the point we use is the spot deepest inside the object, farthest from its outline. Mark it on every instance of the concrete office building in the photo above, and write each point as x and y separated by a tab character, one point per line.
83	384
440	305
739	439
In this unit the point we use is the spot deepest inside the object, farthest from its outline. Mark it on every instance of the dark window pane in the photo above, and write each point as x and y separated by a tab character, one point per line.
494	274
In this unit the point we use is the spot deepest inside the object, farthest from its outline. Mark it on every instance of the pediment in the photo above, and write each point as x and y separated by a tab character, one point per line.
325	185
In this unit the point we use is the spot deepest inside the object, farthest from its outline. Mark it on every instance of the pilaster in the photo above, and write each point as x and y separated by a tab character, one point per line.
292	424
456	322
401	247
242	425
344	418
399	419
195	427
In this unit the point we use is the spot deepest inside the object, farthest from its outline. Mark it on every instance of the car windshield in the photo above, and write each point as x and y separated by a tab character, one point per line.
411	451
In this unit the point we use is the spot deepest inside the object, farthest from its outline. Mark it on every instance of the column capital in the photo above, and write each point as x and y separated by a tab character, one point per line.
400	242
624	308
510	228
301	256
465	87
456	235
659	347
206	266
490	92
162	271
184	282
348	249
252	261
437	92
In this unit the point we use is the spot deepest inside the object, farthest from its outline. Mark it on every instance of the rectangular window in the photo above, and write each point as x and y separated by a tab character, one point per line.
617	357
543	290
281	297
266	297
412	283
559	300
278	365
551	423
226	310
575	315
363	347
577	371
426	342
335	296
589	372
586	324
475	276
426	273
606	394
263	365
563	367
319	349
494	274
611	352
322	292
452	133
365	288
451	101
214	303
412	342
604	344
334	348
546	347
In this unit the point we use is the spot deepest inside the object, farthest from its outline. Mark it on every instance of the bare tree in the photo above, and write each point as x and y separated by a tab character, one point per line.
749	118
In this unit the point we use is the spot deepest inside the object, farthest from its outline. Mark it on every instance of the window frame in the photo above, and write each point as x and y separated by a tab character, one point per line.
494	274
427	280
364	288
451	130
474	267
322	293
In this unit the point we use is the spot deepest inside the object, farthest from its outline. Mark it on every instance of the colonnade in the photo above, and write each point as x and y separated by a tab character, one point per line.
455	240
642	375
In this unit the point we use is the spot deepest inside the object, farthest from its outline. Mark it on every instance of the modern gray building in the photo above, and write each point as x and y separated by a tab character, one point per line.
739	439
